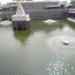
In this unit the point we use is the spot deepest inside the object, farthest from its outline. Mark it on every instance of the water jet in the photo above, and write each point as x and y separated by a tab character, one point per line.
66	42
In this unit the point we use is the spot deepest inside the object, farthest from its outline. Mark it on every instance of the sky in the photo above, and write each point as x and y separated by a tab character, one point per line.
5	1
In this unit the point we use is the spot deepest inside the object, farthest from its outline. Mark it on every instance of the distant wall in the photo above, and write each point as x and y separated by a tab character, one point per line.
35	6
37	11
46	14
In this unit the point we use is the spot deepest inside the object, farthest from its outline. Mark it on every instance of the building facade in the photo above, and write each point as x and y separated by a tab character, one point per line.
37	10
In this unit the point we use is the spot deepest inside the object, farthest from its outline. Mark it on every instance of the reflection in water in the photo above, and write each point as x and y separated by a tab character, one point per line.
59	66
66	30
22	35
33	51
71	24
7	40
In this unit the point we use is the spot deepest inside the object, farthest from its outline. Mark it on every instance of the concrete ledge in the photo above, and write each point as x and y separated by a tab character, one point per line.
71	19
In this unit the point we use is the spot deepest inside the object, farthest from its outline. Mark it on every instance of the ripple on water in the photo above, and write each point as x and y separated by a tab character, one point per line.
58	42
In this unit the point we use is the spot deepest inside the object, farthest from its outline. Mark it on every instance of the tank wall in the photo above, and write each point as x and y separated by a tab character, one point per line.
38	10
36	6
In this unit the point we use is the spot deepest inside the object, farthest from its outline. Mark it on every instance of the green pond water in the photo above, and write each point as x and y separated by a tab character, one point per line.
39	50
